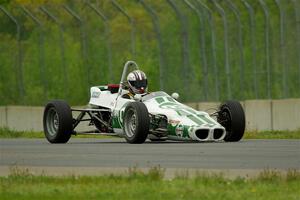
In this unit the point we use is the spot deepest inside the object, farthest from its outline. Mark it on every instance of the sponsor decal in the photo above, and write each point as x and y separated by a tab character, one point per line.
96	94
171	99
207	120
159	100
174	122
191	129
208	125
115	123
182	110
179	130
120	114
195	119
174	106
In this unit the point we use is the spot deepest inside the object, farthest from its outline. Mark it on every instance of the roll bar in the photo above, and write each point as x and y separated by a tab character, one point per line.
128	64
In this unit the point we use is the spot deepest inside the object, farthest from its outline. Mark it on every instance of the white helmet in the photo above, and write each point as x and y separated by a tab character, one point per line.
137	82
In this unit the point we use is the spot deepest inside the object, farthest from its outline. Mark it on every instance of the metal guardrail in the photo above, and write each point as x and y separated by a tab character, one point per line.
237	15
226	48
18	68
253	46
186	71
243	49
296	5
132	24
61	45
202	45
282	49
157	29
83	43
41	44
107	34
267	46
213	46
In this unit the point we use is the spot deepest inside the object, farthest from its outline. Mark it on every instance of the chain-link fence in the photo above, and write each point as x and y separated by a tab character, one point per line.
207	50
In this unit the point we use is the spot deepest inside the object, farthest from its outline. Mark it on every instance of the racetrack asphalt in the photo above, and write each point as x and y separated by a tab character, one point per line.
115	153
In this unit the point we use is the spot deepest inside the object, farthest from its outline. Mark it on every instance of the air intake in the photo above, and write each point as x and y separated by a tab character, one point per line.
202	134
218	133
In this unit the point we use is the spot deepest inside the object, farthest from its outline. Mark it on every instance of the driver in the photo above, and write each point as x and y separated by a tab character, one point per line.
137	84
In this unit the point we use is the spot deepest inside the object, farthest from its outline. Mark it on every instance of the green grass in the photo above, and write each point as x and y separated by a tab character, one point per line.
272	135
150	185
8	133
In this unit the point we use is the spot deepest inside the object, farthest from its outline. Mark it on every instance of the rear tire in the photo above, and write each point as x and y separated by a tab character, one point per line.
136	123
58	121
232	117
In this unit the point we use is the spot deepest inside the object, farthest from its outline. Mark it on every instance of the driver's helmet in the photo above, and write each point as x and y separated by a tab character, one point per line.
137	82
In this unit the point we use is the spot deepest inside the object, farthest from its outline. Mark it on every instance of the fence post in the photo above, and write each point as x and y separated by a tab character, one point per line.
203	48
43	73
226	50
185	44
296	10
213	45
83	40
19	68
253	45
62	45
267	46
237	15
282	49
156	25
107	34
132	24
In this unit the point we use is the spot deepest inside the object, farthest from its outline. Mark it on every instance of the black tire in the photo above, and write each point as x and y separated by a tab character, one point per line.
58	121
136	123
232	117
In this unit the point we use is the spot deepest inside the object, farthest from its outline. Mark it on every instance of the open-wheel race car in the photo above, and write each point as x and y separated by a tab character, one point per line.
113	110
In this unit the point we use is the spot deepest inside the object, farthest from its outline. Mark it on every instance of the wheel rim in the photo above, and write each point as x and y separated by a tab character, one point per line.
52	122
226	119
130	123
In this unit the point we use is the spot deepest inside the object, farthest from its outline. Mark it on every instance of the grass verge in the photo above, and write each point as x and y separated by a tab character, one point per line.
272	134
8	133
150	185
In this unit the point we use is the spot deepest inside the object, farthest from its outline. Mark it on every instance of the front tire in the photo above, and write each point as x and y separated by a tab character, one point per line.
58	121
136	123
232	117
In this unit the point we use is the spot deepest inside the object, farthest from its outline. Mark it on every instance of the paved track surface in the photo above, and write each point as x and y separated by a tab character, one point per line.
116	153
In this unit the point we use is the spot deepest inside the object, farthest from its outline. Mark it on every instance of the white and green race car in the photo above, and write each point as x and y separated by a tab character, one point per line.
156	116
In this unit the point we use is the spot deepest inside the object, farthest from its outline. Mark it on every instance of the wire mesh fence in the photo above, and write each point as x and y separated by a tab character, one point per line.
206	50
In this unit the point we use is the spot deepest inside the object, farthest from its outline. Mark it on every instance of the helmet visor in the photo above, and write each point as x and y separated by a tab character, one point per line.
139	83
